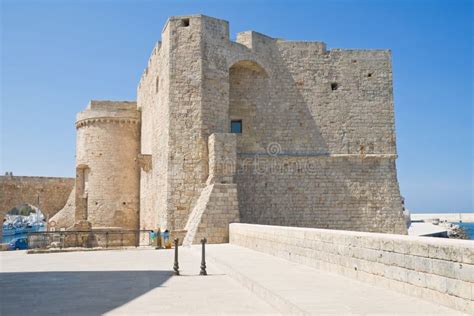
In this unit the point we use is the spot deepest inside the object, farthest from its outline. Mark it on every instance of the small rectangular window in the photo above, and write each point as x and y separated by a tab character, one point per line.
185	22
236	126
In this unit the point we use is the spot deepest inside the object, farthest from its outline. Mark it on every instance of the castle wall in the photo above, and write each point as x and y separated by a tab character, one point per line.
217	205
178	146
153	103
325	110
350	193
49	194
107	150
332	109
187	160
65	218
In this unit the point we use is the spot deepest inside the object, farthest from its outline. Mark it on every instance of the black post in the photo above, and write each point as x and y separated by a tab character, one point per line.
203	260
176	265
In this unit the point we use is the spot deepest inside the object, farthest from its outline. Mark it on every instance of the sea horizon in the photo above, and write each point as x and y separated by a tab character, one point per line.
440	212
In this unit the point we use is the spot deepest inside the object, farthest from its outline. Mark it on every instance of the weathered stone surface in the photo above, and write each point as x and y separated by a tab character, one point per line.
446	280
107	181
47	193
66	216
317	147
318	141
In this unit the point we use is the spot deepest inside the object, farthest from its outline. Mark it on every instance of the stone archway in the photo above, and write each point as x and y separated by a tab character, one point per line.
47	193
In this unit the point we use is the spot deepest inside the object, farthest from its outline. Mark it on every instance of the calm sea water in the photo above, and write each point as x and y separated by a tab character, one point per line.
469	228
7	239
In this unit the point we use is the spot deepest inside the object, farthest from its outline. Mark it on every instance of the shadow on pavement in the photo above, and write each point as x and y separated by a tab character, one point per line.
74	292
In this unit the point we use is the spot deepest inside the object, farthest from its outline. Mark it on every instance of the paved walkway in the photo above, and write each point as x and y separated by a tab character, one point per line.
128	282
137	282
299	289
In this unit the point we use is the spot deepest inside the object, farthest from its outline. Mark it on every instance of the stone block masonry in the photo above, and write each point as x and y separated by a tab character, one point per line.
217	205
107	168
296	102
49	194
314	145
435	269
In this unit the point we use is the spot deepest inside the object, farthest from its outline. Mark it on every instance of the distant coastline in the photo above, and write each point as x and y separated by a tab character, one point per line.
464	220
456	217
443	212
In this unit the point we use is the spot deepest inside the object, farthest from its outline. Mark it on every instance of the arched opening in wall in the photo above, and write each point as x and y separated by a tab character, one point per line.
19	221
248	99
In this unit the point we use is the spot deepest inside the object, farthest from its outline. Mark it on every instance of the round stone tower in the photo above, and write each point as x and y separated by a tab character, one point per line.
107	172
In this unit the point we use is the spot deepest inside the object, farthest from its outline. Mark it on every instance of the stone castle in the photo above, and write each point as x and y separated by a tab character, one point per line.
257	130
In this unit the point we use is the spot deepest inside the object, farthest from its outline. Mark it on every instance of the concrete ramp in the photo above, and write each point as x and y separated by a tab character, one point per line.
296	289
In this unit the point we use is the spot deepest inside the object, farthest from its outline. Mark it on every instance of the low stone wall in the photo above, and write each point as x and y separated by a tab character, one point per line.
436	269
92	239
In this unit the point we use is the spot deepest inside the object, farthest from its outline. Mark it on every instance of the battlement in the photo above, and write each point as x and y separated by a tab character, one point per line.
253	40
206	23
107	105
108	111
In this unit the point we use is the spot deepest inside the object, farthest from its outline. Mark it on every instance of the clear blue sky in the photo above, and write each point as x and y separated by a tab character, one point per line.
57	55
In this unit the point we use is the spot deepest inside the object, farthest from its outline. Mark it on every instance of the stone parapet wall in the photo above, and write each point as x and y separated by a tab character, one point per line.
438	270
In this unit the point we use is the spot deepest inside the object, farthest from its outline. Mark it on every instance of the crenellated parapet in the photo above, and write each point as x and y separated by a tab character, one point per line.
99	112
118	120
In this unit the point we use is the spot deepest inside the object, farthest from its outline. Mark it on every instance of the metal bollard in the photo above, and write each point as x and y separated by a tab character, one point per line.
176	265
203	260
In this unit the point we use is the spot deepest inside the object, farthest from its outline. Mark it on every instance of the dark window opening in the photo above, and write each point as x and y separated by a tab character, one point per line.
236	126
185	22
369	74
334	86
157	84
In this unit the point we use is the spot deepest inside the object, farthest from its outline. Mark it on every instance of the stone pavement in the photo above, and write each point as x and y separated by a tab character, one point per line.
128	282
299	289
240	281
